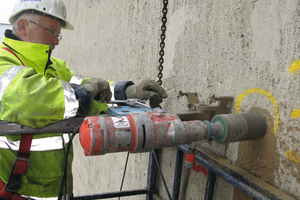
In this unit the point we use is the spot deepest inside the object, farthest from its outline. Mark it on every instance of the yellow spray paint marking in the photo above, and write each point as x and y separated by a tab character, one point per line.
267	94
294	67
295	113
290	156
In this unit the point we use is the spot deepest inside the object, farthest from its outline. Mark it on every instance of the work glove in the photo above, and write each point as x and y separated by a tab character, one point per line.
98	89
144	89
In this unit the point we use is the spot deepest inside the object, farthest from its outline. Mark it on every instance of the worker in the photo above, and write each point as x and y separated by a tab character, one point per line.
36	90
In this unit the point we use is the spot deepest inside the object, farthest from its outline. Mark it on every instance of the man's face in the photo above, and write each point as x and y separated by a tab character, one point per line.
40	35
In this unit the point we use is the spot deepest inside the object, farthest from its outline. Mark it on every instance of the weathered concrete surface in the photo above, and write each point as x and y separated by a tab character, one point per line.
233	48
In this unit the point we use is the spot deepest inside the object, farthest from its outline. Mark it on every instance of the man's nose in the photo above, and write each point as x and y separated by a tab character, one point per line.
55	40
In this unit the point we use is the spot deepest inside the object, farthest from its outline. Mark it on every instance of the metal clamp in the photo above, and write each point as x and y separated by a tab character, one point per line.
206	111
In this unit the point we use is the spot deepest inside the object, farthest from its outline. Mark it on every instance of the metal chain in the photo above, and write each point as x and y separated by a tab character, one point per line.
162	43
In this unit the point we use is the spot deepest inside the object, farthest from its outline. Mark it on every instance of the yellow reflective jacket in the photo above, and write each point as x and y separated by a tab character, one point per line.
35	92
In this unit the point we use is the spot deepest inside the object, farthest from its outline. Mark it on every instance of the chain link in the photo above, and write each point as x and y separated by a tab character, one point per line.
162	43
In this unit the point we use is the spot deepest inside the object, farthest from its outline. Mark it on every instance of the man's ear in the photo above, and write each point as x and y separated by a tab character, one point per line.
22	24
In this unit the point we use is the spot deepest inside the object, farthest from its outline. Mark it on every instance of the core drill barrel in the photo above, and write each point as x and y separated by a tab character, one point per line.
240	127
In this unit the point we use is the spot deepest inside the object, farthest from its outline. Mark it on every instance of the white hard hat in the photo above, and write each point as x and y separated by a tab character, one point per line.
51	8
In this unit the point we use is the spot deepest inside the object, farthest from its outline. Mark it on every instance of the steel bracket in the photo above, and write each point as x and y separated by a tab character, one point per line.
202	111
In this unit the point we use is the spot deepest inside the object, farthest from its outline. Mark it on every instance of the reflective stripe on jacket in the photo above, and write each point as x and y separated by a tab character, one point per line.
37	95
40	144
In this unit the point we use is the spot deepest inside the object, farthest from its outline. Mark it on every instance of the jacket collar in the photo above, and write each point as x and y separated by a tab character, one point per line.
35	55
8	33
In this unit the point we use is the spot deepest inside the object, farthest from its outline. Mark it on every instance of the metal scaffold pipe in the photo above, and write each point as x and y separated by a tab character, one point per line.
188	164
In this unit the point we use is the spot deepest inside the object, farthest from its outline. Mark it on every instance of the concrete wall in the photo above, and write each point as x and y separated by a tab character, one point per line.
245	49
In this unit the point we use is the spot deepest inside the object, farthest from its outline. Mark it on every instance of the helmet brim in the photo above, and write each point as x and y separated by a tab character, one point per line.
67	25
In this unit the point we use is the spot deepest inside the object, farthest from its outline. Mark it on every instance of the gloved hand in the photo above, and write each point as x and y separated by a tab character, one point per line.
98	89
144	88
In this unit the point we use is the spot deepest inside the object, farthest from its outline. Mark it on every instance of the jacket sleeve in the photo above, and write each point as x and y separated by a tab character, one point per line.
86	106
119	89
30	99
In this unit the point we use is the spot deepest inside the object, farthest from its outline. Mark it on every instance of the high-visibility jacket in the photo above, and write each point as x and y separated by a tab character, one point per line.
35	91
